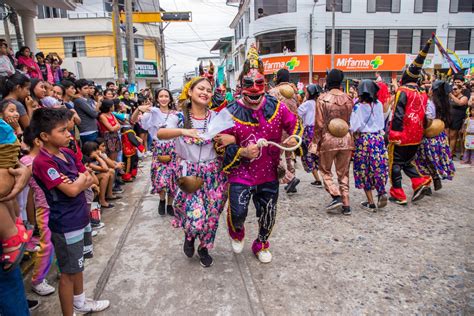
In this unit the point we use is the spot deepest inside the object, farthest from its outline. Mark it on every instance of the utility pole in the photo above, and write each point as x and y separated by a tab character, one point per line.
333	31
130	41
311	47
164	71
117	40
14	20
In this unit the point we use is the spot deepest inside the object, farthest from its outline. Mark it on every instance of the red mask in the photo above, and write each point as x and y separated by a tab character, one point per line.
253	87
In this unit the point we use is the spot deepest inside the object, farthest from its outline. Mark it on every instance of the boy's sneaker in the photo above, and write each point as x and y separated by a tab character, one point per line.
91	306
291	187
43	288
188	247
88	255
368	207
336	203
32	305
237	245
346	210
118	190
382	201
204	257
397	201
94	233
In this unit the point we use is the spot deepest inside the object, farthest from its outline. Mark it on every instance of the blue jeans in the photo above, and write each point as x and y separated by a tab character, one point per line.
89	138
12	294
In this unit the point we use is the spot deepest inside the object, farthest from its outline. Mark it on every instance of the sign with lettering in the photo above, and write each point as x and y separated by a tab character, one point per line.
143	69
361	62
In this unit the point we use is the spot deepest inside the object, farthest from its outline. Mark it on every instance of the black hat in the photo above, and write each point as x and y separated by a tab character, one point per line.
314	90
282	75
369	88
334	78
413	72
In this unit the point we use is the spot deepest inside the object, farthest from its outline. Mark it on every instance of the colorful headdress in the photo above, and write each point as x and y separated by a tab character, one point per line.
184	93
413	72
253	61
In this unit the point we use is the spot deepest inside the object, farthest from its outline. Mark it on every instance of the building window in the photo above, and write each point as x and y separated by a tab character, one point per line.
121	5
74	46
430	5
45	12
381	41
275	42
404	41
461	6
357	42
339	5
265	8
425	36
383	5
338	42
462	39
139	48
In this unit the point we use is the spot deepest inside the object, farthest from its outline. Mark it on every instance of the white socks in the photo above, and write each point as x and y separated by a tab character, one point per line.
79	300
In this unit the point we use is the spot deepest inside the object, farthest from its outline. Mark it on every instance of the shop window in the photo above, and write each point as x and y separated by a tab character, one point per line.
404	41
265	8
381	41
357	42
425	36
74	46
276	42
338	42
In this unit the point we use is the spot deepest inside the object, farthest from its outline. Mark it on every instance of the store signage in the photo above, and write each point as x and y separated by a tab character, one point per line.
299	63
429	63
366	62
466	60
143	69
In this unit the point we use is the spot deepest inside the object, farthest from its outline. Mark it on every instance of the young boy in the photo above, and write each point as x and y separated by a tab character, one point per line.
69	214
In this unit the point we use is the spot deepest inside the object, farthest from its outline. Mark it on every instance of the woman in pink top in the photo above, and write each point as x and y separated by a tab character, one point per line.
24	57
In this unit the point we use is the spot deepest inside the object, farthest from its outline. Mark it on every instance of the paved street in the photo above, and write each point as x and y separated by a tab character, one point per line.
412	260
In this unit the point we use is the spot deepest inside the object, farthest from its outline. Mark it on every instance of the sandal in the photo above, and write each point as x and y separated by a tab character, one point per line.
107	206
114	197
13	258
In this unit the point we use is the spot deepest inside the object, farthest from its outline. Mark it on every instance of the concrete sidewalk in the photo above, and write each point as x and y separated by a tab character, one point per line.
417	259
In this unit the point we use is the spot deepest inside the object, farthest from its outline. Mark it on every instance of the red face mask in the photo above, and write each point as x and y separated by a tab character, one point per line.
253	88
209	77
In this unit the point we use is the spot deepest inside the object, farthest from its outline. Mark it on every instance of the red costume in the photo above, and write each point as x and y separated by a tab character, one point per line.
130	144
406	132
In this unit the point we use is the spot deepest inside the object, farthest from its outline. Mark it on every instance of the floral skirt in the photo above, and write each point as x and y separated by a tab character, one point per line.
112	142
371	162
310	161
198	213
433	157
163	173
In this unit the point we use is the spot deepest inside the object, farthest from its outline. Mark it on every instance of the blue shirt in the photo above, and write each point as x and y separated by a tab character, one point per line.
7	134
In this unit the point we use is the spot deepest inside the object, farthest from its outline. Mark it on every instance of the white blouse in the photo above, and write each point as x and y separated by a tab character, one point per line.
307	112
153	121
367	118
187	149
431	110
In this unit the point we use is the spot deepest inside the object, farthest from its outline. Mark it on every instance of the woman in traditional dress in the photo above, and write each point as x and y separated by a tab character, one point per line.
307	113
434	154
198	212
164	157
370	157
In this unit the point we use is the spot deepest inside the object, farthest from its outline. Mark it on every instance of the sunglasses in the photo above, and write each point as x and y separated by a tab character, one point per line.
455	89
249	82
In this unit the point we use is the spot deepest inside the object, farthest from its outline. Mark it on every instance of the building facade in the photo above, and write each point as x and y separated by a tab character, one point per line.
83	38
370	35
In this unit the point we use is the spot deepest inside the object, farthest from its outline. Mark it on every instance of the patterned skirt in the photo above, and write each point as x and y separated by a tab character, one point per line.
433	157
310	161
112	142
371	162
198	213
163	173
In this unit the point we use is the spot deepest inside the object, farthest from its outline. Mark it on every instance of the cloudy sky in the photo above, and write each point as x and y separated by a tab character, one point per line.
185	42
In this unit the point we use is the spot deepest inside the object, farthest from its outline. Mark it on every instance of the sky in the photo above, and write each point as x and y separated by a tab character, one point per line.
185	42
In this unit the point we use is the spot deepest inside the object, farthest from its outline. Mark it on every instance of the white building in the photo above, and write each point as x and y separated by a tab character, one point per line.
371	35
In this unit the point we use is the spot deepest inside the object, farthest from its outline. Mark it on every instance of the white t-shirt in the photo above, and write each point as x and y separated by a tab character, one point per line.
307	112
367	118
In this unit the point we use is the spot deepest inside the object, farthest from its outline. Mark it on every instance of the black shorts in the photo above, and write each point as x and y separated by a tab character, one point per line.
458	115
69	249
